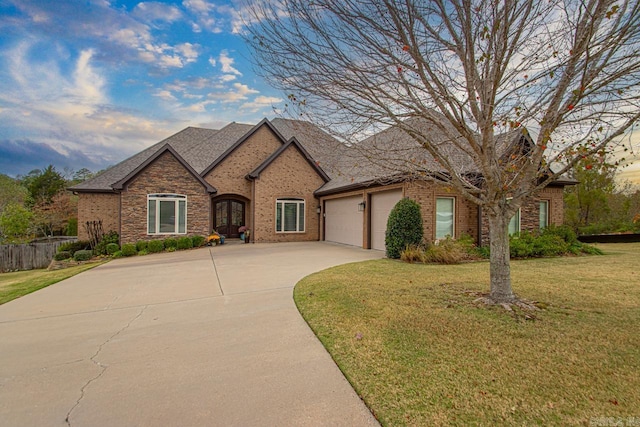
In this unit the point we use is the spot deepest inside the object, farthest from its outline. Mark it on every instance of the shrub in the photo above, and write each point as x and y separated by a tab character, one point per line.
82	255
117	254
72	227
447	251
155	246
404	227
112	248
141	245
563	231
198	241
143	252
171	249
72	247
62	255
170	242
185	243
413	253
129	249
101	247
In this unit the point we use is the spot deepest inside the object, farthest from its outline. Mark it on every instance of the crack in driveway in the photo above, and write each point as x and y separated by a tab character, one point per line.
103	368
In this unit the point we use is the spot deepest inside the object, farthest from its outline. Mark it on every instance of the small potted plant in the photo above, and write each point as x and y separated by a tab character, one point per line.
214	238
242	229
247	235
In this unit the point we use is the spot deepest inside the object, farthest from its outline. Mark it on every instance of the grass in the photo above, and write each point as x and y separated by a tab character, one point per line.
419	351
16	284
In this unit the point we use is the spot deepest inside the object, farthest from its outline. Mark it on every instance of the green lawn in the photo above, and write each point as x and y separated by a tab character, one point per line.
16	284
419	351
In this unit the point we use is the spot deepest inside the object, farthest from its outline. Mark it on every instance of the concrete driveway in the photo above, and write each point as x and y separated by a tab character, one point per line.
207	337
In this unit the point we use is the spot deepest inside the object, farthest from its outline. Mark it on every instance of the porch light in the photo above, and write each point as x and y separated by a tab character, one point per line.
318	209
361	206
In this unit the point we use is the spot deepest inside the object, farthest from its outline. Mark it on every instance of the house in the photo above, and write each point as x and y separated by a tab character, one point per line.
285	180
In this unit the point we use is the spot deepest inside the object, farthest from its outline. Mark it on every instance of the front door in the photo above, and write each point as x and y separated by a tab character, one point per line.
228	216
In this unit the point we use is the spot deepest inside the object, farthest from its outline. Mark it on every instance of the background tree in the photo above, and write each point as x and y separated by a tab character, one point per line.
16	222
44	184
568	70
11	192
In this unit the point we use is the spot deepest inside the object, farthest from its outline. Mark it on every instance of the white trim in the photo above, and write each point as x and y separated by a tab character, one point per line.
453	218
546	215
299	202
519	216
167	197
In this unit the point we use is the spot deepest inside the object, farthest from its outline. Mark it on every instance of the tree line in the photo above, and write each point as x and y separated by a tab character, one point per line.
38	204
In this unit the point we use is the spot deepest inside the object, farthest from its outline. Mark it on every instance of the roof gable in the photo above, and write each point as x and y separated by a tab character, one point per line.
240	141
166	148
292	142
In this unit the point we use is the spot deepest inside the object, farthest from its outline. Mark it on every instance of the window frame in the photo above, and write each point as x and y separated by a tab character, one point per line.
167	197
547	204
453	218
517	215
300	208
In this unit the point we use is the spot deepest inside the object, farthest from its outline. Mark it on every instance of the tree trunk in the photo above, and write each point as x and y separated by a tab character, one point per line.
500	270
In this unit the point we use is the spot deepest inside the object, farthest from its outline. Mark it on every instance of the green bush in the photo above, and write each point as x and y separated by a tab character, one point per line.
101	247
143	252
155	246
185	243
117	254
198	241
141	245
112	248
82	255
62	255
404	227
170	242
129	249
72	227
74	246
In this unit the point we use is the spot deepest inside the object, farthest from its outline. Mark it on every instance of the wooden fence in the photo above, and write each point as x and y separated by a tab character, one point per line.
28	256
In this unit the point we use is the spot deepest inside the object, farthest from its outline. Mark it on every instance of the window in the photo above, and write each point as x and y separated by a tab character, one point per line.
166	214
514	223
445	213
289	216
544	213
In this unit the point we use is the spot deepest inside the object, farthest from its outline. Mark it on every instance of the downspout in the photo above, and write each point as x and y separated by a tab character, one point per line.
252	237
120	216
479	225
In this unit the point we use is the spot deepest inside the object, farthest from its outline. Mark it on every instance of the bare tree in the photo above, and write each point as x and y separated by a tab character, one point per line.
564	73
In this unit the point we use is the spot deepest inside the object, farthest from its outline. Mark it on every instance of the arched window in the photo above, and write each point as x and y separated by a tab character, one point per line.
290	216
166	214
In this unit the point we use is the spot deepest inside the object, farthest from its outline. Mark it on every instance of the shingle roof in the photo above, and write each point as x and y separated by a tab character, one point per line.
373	160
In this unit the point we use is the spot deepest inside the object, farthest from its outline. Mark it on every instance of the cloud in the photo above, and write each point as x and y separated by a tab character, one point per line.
227	77
238	93
226	63
212	61
156	12
260	102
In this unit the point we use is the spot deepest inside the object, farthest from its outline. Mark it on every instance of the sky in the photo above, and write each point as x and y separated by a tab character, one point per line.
88	83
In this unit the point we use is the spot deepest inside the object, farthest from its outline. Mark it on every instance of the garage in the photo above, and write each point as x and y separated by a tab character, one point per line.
343	221
381	205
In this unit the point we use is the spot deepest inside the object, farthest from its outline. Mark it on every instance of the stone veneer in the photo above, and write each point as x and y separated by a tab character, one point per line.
165	175
103	207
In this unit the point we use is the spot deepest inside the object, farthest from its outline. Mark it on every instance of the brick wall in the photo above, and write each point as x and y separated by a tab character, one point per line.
288	176
426	193
165	175
530	211
98	206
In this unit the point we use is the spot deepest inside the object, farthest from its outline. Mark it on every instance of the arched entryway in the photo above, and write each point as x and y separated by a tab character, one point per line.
229	215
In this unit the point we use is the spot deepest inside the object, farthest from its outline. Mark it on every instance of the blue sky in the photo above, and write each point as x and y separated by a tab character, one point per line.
89	83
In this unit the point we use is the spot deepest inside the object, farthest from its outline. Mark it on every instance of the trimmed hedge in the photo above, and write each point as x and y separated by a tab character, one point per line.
72	247
129	249
62	255
198	241
112	248
83	255
141	245
185	243
101	247
404	227
155	246
170	242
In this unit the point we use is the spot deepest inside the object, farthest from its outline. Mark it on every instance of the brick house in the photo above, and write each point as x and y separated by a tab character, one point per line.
285	180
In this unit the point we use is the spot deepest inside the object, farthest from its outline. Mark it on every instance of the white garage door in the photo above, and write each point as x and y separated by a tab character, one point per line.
381	205
342	221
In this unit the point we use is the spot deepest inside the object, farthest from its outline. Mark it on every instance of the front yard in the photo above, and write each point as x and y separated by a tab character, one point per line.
419	351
